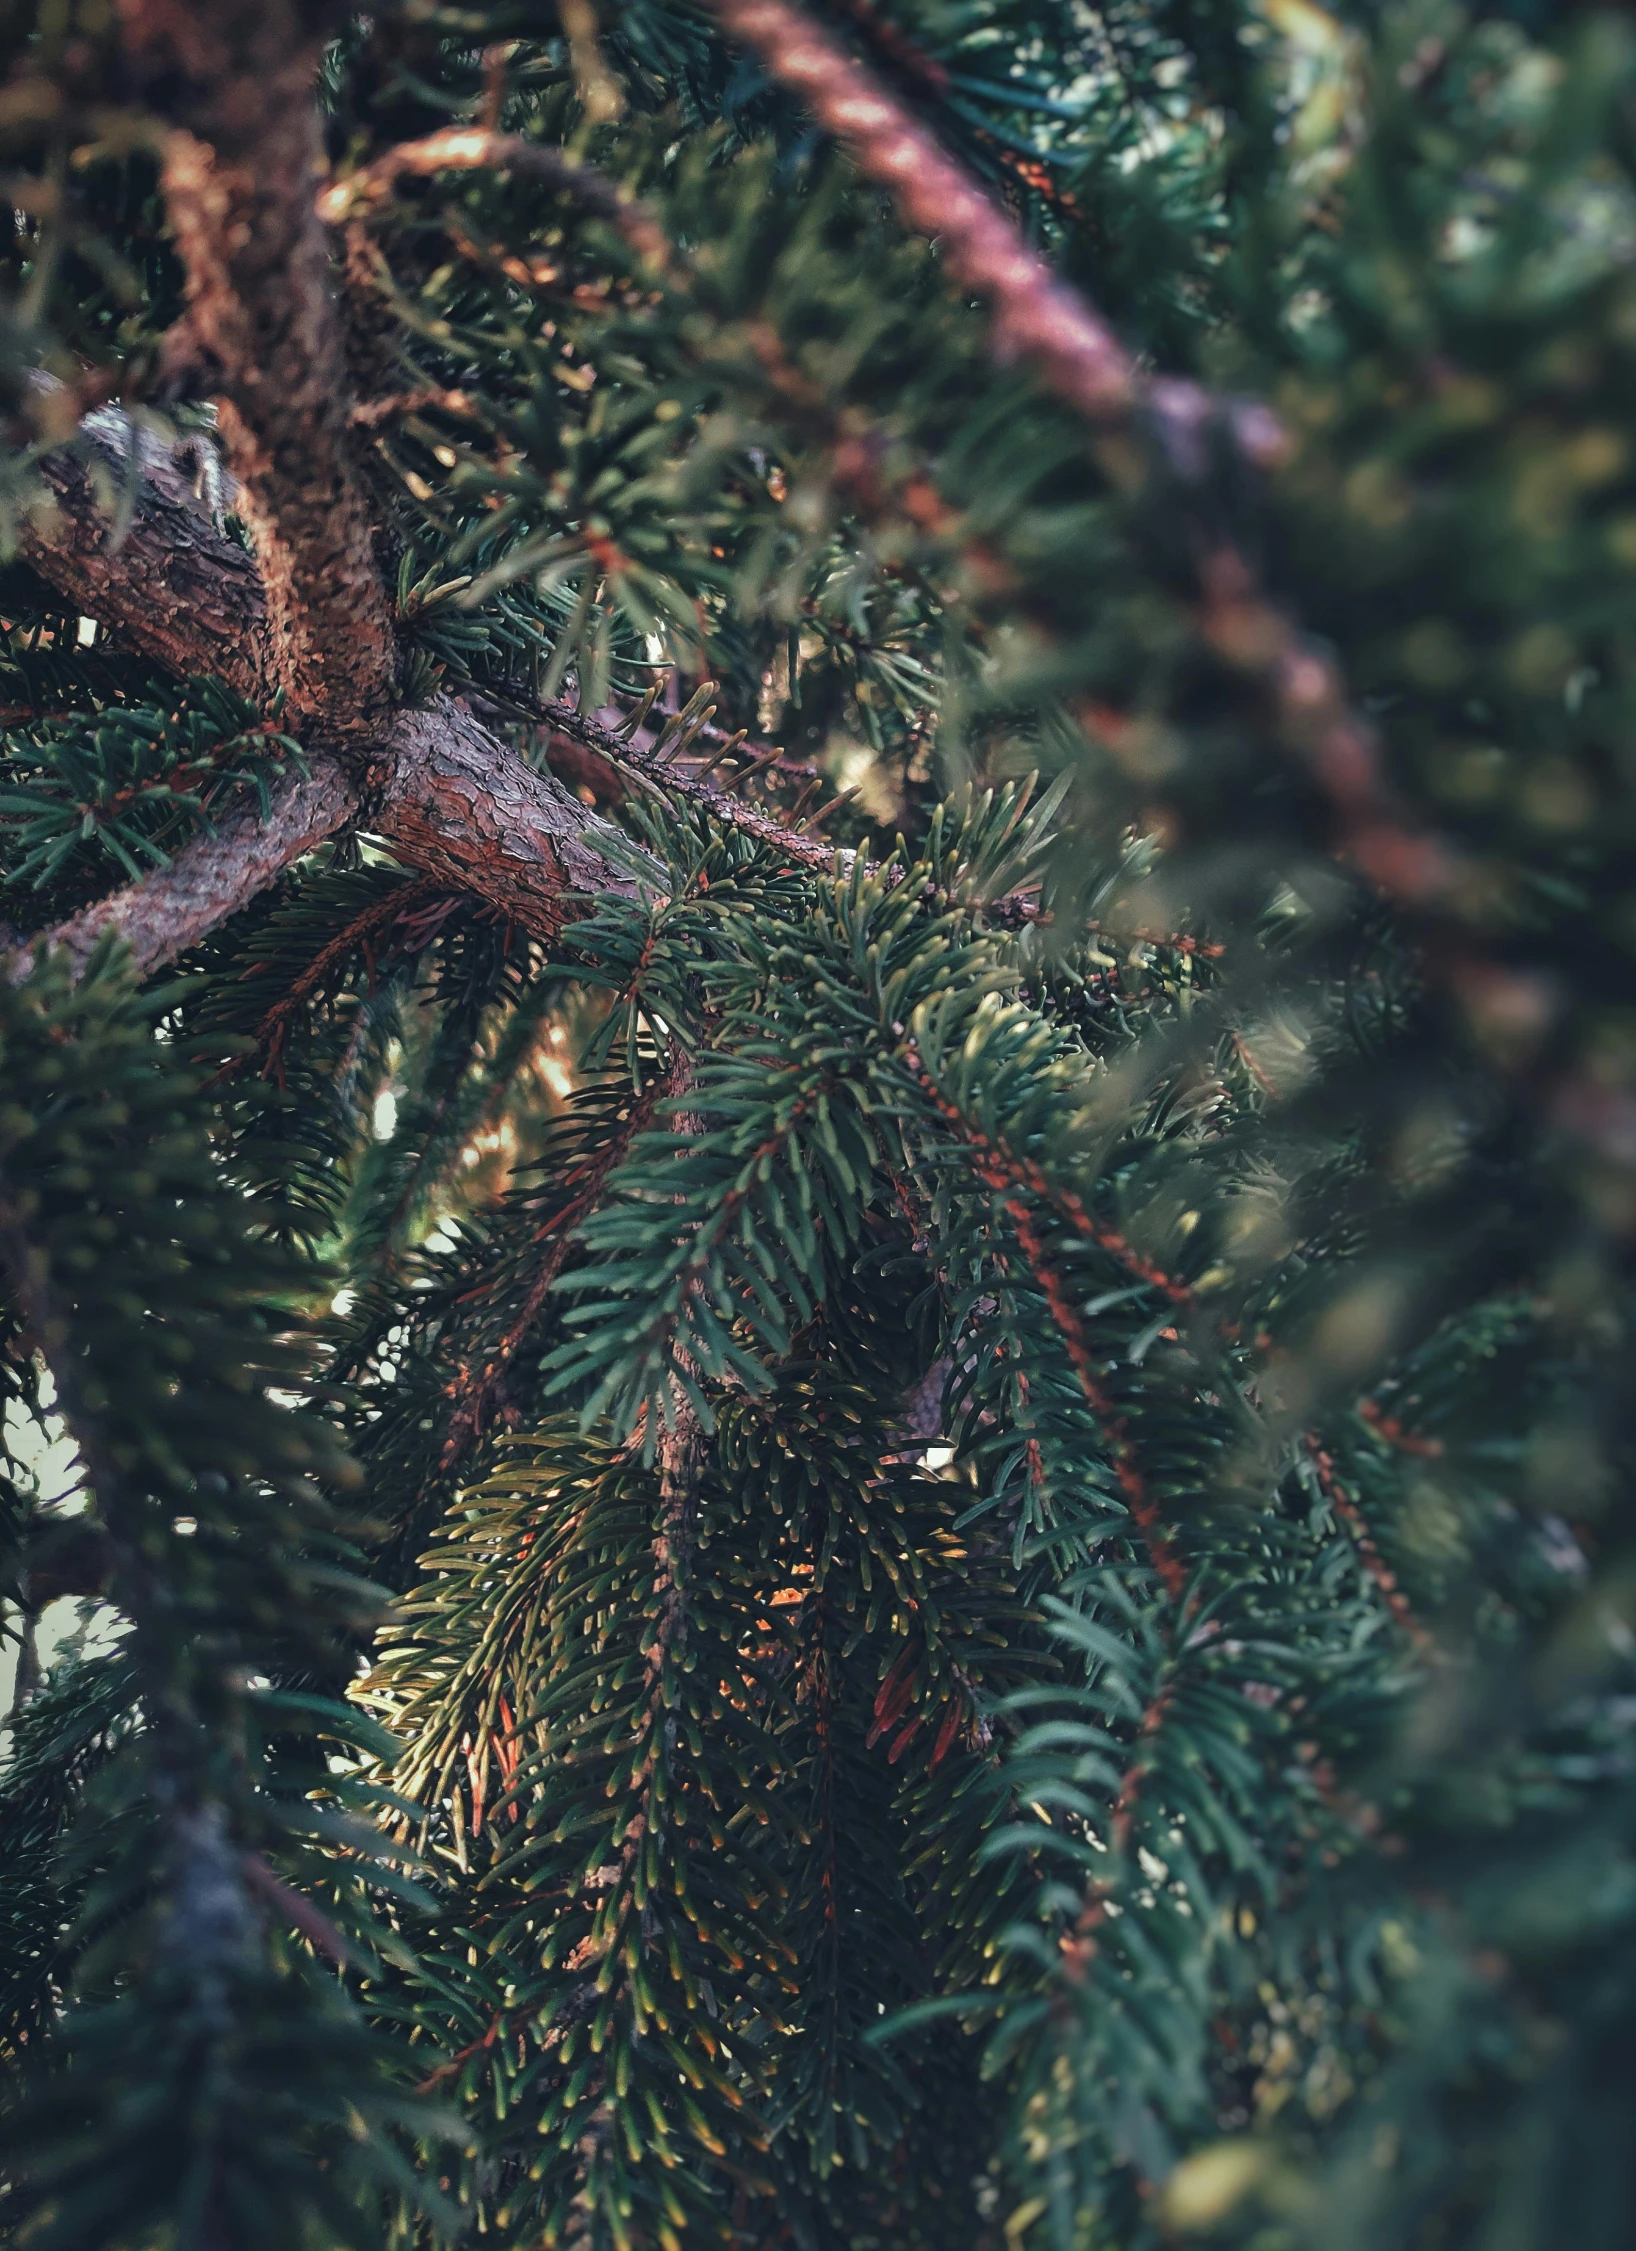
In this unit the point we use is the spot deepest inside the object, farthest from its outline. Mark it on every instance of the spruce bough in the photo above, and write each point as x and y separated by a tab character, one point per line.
817	1125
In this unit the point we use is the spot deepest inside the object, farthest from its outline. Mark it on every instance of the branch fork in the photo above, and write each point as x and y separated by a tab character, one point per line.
307	618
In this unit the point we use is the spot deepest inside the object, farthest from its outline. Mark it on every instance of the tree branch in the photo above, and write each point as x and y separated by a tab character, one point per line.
1039	317
1035	314
171	586
461	806
451	800
446	794
471	148
210	878
234	81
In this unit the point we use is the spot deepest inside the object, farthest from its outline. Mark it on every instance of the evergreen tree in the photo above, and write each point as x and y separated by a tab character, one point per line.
818	1124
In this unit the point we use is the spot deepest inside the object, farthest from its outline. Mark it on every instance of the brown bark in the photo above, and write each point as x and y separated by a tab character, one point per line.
234	81
450	797
210	878
174	587
463	808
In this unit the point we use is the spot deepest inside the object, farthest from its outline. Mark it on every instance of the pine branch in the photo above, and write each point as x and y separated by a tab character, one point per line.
154	570
1003	1170
210	878
1038	317
476	1389
451	800
450	797
1348	1513
223	1551
922	76
682	1456
878	490
1035	315
463	148
235	82
699	787
1114	1426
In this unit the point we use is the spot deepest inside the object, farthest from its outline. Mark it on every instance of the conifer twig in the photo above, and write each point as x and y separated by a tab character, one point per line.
474	1390
1039	317
921	73
469	148
1127	1469
1348	1513
1005	1169
999	1171
681	1454
700	788
1036	316
357	931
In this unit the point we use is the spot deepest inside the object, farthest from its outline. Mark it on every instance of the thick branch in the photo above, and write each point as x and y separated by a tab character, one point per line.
234	81
450	797
461	806
210	878
172	587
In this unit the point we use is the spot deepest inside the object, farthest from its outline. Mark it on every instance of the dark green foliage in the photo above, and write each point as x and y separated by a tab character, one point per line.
1003	1465
162	1314
125	780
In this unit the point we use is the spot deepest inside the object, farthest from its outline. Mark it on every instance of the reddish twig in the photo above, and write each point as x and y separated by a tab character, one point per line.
1142	1508
1076	354
924	75
473	1390
1348	1513
999	1169
1078	1946
369	414
477	2047
379	915
1036	316
466	148
299	1911
1004	1168
1388	1428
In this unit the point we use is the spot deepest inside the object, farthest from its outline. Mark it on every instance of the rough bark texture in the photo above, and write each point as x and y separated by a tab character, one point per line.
236	80
450	797
174	586
464	809
212	877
